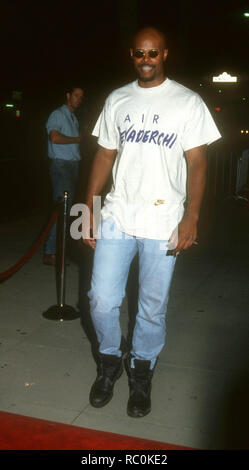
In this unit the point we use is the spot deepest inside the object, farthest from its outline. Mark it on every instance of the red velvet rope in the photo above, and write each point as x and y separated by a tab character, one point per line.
6	274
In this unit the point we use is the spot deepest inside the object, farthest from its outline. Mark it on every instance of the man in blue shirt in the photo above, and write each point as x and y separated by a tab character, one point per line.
64	154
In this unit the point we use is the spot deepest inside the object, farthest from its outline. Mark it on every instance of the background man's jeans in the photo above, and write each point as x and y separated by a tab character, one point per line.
64	176
112	258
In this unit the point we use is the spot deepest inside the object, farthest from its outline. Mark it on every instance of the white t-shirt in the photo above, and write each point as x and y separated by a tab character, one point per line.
151	128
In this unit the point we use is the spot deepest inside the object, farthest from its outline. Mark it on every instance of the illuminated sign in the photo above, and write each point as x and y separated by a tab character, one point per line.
225	77
18	114
9	106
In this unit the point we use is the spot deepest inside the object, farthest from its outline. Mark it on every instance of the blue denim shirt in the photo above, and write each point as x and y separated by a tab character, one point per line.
66	123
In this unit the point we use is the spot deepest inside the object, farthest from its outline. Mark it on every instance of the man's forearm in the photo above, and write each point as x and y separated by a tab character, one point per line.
57	138
101	169
196	186
187	229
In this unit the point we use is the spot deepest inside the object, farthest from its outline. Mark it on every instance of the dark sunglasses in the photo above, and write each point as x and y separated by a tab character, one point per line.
139	53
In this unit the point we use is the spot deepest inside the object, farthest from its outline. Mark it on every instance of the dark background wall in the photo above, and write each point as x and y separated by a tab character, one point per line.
45	47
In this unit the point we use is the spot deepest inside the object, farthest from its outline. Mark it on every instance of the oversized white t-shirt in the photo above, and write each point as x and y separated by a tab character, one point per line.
151	128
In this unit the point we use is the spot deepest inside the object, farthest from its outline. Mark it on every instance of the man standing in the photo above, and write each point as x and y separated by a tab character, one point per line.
152	134
64	154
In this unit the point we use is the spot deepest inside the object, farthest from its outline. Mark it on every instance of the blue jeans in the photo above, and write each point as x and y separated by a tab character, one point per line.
64	176
112	258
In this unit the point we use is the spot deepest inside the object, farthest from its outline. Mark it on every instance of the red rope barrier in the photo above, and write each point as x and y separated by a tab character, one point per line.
6	274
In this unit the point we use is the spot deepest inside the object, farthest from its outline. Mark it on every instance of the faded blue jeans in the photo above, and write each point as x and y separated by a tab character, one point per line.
112	258
64	176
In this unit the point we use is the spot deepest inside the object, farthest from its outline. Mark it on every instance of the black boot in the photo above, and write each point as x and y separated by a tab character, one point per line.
139	403
110	368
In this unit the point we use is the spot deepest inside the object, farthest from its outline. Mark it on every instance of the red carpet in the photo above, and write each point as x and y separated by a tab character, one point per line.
24	433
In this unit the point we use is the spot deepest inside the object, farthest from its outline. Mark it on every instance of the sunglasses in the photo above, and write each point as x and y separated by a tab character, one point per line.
139	53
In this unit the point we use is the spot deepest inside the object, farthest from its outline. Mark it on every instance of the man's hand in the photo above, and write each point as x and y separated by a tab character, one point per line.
185	235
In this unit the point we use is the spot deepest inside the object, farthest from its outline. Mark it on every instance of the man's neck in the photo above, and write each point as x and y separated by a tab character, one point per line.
70	108
151	84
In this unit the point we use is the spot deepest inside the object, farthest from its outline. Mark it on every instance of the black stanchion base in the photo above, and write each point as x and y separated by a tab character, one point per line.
61	313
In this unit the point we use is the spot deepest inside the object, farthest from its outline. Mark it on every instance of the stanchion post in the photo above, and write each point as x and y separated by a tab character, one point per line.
61	311
61	248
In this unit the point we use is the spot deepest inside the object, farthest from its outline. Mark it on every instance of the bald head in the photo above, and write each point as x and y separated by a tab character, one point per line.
149	54
152	33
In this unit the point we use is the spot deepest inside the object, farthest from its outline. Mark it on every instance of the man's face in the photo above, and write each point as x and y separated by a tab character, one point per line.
149	69
75	98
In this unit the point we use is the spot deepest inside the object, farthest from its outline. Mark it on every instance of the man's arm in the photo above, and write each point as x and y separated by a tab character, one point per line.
196	180
101	169
57	138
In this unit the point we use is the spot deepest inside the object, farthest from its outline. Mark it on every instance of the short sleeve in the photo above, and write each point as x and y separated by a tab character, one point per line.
54	122
105	129
200	128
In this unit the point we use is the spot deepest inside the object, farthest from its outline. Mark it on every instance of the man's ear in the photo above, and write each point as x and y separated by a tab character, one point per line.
165	54
131	52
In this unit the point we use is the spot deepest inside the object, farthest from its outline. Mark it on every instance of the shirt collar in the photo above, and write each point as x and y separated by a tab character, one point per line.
67	111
